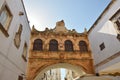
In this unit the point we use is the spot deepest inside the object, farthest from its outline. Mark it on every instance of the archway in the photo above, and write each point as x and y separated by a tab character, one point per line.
59	53
38	61
77	69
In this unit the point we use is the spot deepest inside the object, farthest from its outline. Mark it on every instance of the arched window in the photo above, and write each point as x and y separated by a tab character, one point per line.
38	45
83	46
53	45
68	45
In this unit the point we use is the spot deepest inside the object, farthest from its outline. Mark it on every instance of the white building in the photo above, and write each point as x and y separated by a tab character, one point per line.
104	37
14	40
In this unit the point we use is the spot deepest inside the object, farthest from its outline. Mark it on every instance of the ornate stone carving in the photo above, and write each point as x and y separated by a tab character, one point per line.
61	56
60	23
45	58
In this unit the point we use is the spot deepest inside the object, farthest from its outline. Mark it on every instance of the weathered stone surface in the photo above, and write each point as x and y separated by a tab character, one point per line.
39	60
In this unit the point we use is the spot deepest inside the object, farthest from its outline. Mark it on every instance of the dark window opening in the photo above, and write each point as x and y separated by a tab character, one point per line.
102	46
83	46
38	45
20	78
68	45
53	45
118	37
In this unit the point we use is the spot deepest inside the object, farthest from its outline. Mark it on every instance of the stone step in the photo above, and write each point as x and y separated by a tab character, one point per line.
95	78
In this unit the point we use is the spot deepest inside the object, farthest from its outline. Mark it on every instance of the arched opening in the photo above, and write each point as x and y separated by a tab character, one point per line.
38	45
79	70
83	46
68	45
53	45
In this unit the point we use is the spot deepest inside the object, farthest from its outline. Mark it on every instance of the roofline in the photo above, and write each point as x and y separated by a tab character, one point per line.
25	13
98	19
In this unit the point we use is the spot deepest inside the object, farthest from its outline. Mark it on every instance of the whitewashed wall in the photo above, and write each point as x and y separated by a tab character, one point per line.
104	31
11	62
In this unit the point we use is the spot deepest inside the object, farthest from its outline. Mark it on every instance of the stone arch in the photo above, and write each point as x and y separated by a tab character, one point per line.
36	65
78	69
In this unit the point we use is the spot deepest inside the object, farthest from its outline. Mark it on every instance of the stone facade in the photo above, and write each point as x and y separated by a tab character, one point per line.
58	45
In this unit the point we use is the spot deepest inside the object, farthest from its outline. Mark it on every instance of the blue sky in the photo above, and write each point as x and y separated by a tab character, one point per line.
77	14
63	73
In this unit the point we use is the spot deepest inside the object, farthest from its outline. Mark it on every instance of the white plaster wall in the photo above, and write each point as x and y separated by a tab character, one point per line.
105	32
11	61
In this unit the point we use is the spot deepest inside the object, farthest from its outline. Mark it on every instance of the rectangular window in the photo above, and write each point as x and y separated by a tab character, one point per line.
20	78
24	55
5	18
102	46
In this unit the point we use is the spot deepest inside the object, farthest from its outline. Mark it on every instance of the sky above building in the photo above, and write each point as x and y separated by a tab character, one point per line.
77	14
